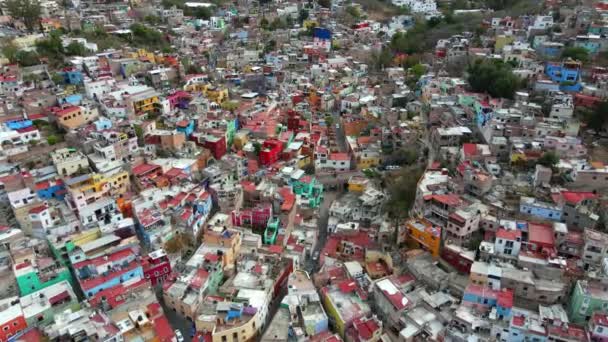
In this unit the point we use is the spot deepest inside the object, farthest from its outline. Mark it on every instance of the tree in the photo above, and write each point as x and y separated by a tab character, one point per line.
230	106
270	45
264	23
28	11
402	191
576	53
257	148
52	139
10	50
353	11
324	3
494	77
51	47
27	58
76	49
597	118
417	71
548	159
303	15
382	59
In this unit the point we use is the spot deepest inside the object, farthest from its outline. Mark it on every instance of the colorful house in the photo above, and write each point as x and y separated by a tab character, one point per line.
270	151
12	320
185	126
156	267
272	230
309	190
106	271
567	74
32	277
51	189
72	76
421	233
587	298
485	298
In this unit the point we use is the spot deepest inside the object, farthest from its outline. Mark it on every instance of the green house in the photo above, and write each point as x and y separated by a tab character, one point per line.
40	307
309	189
31	278
272	230
587	297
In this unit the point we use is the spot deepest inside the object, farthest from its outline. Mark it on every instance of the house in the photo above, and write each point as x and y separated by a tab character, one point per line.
156	267
508	242
421	233
41	307
69	161
344	304
12	319
587	298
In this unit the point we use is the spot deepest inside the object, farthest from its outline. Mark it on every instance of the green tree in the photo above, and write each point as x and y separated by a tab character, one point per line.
76	49
548	159
51	47
270	45
27	58
303	15
28	11
494	77
202	13
10	50
597	119
382	59
576	53
52	139
353	11
324	3
257	148
402	191
417	71
152	19
264	23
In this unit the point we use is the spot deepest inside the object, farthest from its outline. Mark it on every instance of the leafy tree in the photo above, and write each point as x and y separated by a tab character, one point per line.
382	59
576	53
353	11
52	139
417	71
257	148
152	19
28	11
597	119
202	13
10	51
264	23
494	77
51	47
271	45
324	3
303	15
548	159
27	58
402	190
230	106
76	49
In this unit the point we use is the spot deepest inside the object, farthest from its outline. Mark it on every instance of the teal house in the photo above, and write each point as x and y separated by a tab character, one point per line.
309	190
587	297
46	272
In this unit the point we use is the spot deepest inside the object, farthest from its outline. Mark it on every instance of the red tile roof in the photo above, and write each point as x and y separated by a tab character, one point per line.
144	168
508	234
575	197
540	233
38	209
366	328
163	329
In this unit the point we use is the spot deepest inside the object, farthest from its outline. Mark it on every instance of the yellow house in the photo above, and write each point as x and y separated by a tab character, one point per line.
304	160
211	92
502	40
75	116
343	305
240	139
366	160
28	41
357	184
144	102
49	24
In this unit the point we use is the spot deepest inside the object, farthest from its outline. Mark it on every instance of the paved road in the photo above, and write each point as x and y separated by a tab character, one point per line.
175	319
329	196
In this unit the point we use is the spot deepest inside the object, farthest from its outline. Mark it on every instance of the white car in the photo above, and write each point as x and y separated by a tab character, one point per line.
178	336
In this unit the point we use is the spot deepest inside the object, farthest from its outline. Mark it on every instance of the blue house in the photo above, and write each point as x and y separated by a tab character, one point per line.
567	74
485	298
51	189
591	43
73	99
550	50
186	127
18	124
72	76
547	211
522	328
102	124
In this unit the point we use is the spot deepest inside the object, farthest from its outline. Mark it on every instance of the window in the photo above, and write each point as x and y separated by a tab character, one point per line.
5	328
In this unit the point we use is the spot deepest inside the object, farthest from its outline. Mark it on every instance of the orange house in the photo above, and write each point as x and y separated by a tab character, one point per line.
421	233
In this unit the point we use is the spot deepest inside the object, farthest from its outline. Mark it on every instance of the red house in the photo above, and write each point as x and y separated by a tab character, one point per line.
215	144
256	217
156	267
271	151
541	238
460	258
12	321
